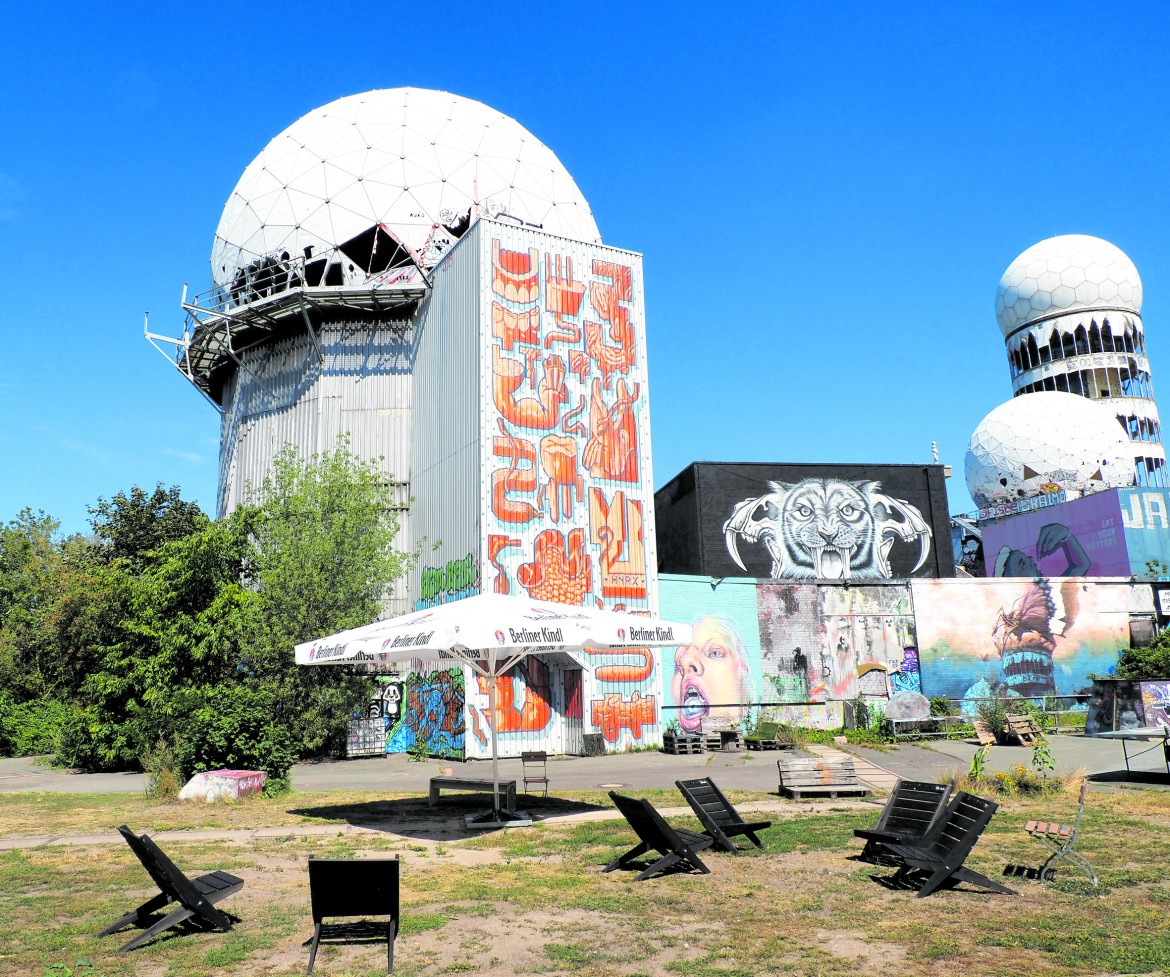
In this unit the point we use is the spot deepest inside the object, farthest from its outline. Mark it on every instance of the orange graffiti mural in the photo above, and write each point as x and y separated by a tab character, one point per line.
562	297
617	529
607	299
515	327
515	274
501	585
612	714
560	570
513	478
540	412
558	456
536	711
612	449
624	673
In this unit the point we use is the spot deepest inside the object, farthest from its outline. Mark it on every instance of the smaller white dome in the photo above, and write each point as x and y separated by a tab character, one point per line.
1065	273
1031	443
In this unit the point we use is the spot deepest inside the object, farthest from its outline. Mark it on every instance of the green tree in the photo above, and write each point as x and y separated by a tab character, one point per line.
324	530
133	528
1152	662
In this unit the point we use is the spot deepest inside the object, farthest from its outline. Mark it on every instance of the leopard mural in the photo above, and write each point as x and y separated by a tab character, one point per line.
827	529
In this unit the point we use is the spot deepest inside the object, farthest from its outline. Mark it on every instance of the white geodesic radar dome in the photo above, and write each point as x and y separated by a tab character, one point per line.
1044	441
421	164
1072	271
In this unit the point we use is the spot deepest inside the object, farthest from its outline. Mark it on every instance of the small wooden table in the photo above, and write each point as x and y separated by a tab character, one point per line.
507	788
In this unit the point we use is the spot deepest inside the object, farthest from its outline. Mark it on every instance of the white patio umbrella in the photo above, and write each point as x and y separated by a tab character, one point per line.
491	633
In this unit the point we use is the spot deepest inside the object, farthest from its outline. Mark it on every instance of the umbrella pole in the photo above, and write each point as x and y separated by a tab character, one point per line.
494	723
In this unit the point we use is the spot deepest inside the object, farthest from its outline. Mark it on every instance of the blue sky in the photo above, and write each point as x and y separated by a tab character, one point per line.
825	195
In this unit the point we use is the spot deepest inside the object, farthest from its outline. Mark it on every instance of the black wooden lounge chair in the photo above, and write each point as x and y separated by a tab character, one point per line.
196	897
719	819
354	887
1061	840
675	845
911	810
938	858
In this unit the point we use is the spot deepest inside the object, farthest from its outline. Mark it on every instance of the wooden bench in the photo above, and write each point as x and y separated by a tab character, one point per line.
507	787
766	737
1024	729
801	777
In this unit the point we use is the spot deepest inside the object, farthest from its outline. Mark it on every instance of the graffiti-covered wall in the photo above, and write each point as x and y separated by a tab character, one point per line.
800	650
1021	636
805	522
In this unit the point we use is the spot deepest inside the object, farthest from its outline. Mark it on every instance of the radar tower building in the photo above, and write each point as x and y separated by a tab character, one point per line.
416	271
1070	312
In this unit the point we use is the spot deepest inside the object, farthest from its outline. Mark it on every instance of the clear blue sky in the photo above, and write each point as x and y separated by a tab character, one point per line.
825	195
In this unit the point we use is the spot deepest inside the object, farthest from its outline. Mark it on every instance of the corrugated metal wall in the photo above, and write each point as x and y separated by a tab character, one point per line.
361	388
447	431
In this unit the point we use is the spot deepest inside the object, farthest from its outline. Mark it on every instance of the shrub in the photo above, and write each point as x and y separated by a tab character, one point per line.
941	706
994	714
30	728
235	727
1152	662
164	774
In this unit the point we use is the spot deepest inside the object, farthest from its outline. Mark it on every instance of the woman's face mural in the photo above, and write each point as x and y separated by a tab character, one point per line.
711	678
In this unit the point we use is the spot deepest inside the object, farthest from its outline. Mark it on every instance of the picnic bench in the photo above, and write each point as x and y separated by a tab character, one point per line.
1061	840
196	897
716	814
354	887
910	811
507	787
677	846
938	858
1024	729
819	777
766	737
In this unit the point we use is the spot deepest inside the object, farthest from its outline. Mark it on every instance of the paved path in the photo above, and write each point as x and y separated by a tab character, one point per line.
868	772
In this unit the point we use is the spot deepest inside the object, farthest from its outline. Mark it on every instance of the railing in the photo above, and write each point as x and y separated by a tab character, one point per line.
1059	714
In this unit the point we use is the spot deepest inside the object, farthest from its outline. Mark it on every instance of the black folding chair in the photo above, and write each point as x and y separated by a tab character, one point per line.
677	846
354	887
535	761
196	897
909	814
719	819
938	858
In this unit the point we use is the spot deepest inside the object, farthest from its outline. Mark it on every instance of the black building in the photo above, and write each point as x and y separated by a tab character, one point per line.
815	522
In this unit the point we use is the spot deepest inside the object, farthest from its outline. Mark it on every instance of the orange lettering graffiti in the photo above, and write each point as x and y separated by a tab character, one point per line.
540	412
501	585
562	297
559	571
513	478
611	451
624	673
515	327
515	274
612	714
617	528
559	457
535	712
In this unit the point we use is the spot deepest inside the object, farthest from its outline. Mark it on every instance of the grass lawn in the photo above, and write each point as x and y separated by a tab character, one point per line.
535	900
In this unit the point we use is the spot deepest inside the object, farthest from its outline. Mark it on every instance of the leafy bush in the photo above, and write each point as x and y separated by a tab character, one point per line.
234	727
1148	663
30	728
941	706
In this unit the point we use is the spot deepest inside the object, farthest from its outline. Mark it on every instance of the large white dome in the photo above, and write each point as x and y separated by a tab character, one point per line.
1073	271
419	163
1031	443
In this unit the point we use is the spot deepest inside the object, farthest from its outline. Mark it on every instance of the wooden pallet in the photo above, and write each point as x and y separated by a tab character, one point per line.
681	745
801	778
720	740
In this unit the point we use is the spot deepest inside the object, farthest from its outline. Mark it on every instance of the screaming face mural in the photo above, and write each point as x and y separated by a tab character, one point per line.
712	679
827	528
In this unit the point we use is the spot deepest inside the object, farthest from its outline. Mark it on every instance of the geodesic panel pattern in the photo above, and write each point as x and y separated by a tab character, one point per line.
1043	442
1073	271
420	163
